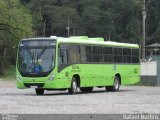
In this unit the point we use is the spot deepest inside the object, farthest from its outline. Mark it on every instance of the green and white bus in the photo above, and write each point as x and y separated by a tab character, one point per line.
58	63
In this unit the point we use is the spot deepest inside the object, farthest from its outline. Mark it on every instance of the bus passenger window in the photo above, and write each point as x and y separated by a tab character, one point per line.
88	53
107	53
118	55
62	56
74	54
83	54
97	54
126	55
135	56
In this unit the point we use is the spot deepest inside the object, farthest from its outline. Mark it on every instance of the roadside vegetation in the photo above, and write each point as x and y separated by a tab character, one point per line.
115	20
9	73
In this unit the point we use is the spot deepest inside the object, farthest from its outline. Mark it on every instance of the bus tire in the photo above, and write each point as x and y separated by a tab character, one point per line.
86	89
115	86
74	85
39	91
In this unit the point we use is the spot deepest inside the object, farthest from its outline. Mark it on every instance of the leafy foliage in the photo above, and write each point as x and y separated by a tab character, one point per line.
115	20
15	23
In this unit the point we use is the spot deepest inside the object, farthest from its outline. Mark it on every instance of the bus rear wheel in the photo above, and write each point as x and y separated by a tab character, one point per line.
74	85
86	89
115	86
39	91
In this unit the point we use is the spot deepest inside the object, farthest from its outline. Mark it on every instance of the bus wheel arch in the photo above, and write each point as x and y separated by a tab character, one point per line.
75	83
116	85
77	79
119	76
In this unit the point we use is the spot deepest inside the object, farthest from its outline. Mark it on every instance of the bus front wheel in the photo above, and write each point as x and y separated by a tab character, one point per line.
73	88
39	91
115	86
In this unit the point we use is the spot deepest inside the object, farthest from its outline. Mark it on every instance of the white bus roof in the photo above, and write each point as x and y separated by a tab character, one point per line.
95	42
85	40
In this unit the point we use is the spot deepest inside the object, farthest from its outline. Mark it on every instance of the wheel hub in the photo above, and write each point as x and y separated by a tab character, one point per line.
116	85
74	86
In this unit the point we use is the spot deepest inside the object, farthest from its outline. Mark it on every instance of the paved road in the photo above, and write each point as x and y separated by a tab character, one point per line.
130	99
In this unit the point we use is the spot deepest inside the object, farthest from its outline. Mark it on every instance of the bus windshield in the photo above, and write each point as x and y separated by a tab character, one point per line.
36	59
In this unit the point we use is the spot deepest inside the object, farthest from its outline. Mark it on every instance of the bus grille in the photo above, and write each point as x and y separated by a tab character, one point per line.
33	84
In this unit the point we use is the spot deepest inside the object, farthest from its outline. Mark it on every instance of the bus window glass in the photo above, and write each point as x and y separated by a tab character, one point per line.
126	55
97	50
83	54
36	59
135	56
88	53
74	54
62	56
107	50
126	51
118	55
107	53
97	54
135	52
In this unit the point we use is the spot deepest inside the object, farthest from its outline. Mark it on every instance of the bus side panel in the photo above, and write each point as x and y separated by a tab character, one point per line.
60	81
130	74
109	74
92	75
96	75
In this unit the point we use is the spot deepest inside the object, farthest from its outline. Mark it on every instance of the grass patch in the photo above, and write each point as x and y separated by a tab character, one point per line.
9	73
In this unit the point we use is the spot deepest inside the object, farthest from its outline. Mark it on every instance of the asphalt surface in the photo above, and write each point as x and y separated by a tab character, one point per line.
129	100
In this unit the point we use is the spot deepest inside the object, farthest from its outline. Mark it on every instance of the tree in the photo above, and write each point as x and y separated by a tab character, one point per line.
153	21
58	19
15	23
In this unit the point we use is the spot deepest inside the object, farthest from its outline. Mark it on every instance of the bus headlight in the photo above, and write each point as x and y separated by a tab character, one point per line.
51	77
18	78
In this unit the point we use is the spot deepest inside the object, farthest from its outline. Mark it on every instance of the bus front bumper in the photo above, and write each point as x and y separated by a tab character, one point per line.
55	84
